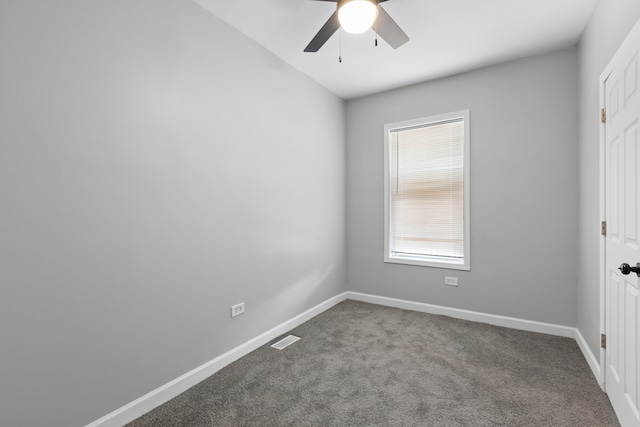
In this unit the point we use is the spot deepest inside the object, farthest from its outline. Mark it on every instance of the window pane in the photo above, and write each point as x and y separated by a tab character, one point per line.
426	185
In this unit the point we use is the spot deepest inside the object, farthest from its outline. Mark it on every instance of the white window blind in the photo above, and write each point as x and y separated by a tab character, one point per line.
426	185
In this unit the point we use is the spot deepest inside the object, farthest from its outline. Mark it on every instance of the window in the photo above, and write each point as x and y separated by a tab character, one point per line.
426	175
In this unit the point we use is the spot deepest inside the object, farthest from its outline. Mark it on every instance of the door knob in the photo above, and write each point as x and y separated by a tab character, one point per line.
626	268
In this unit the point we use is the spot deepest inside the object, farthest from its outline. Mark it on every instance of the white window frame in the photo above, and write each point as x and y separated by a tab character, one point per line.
424	260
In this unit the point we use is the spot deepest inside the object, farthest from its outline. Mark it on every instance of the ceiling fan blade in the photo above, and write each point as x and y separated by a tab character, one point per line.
387	28
327	30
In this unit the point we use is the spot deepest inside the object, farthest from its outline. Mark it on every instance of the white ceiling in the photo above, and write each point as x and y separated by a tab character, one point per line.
446	37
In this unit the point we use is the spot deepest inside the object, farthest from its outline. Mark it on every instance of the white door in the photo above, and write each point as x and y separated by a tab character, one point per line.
622	211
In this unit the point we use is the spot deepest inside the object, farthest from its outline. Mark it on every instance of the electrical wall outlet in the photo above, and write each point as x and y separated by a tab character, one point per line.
451	281
237	310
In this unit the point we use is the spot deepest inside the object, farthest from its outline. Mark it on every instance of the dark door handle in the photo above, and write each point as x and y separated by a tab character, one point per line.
626	268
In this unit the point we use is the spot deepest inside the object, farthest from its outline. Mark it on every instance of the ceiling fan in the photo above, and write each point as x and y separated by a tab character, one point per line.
356	16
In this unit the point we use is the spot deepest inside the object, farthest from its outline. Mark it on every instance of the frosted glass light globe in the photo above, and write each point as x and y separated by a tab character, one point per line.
357	16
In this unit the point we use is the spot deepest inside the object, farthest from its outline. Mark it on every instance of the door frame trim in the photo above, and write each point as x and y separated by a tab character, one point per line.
601	377
633	34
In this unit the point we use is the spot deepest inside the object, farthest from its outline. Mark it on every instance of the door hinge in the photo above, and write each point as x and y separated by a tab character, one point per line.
603	341
603	115
603	228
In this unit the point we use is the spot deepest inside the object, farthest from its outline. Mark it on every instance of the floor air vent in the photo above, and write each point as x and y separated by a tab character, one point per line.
285	342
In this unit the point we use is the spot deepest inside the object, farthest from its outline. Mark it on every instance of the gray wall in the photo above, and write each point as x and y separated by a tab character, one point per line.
156	167
610	23
524	186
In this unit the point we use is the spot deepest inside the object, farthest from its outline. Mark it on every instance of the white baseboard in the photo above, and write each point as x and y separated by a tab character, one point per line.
474	316
164	393
594	364
492	319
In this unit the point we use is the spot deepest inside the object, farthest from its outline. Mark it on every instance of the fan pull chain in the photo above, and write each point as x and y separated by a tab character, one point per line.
340	43
375	30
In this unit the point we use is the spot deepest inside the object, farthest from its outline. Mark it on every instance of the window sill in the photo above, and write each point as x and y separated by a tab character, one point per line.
428	262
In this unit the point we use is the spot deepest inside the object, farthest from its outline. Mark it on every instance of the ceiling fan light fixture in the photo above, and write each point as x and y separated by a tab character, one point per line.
357	16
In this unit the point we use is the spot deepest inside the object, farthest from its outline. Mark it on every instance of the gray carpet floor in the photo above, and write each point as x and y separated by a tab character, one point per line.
360	364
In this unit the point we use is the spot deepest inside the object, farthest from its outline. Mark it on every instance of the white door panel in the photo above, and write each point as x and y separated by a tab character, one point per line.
622	208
